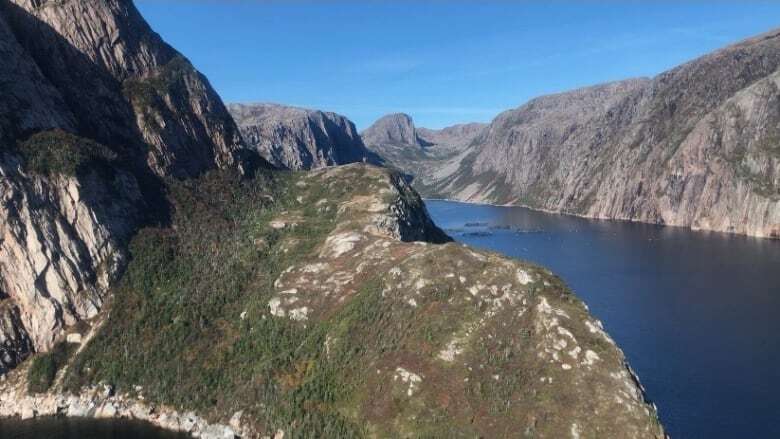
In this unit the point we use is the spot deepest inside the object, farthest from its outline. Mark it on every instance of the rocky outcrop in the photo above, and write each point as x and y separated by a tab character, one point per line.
15	343
695	146
461	368
298	138
61	240
100	402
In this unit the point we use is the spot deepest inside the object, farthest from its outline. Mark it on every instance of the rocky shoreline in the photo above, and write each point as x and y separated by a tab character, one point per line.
101	402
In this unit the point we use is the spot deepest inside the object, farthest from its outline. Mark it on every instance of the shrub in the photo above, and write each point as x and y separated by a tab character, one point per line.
44	367
57	152
145	91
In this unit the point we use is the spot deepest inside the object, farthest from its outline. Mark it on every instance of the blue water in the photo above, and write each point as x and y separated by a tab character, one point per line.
697	314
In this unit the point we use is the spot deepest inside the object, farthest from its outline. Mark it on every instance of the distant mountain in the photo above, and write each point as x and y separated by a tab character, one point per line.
455	137
298	138
697	146
392	129
417	151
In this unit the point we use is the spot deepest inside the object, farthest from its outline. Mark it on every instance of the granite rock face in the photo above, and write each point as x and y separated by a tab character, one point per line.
60	248
75	73
456	137
695	146
15	343
123	85
300	139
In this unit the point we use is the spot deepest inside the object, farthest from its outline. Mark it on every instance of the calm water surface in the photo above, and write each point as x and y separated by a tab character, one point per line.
61	428
697	314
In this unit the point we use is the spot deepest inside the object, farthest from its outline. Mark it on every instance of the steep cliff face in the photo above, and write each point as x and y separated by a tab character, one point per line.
124	86
296	138
61	238
30	103
94	107
695	146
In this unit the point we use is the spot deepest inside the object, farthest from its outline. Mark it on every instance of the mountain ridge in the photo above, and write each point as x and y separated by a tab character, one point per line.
662	150
300	138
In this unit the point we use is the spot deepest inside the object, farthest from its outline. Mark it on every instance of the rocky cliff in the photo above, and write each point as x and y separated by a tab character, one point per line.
95	108
695	146
296	138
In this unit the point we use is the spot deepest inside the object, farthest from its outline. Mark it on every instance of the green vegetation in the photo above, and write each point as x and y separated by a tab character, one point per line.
190	320
179	307
145	91
44	367
58	152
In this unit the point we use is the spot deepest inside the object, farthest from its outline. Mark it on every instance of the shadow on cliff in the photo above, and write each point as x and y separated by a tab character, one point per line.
96	101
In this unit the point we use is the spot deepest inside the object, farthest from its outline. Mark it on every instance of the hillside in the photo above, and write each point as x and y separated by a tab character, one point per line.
296	304
154	267
695	146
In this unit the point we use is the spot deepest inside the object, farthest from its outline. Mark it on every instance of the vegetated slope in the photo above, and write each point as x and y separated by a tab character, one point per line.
417	151
297	138
95	107
695	146
291	302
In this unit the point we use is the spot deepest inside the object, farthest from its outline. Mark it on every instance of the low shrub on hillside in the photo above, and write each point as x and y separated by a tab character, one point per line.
44	367
57	152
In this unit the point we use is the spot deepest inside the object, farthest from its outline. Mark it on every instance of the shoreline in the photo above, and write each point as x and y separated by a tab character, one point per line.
100	402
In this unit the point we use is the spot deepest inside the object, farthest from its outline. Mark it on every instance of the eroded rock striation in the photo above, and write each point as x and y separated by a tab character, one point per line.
297	138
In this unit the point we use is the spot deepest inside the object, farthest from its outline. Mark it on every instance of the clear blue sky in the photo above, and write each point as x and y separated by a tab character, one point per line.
443	62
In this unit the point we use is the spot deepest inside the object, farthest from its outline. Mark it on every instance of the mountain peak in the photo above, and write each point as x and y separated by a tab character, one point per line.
300	138
393	129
